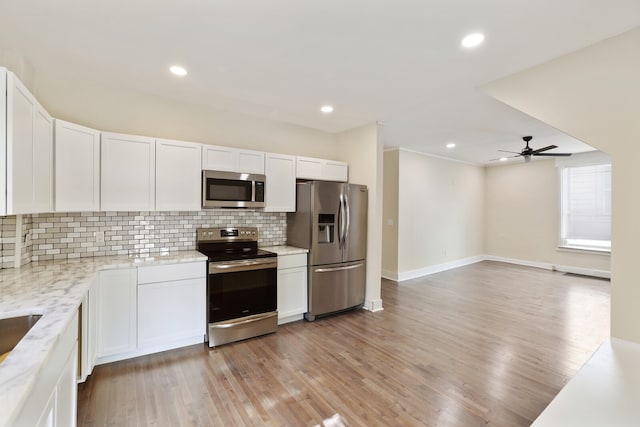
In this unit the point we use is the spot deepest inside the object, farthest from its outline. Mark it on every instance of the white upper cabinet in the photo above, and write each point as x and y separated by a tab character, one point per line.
77	168
280	172
178	176
250	161
229	159
29	143
327	170
127	179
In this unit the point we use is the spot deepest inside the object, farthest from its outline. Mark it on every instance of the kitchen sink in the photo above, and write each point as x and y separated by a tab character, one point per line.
12	330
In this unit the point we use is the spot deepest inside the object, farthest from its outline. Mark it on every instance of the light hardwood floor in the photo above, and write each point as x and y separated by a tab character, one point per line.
485	344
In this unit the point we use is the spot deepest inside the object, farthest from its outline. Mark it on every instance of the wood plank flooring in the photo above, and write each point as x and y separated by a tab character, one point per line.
485	344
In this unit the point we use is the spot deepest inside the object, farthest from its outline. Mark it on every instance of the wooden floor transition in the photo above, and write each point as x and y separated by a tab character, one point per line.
485	344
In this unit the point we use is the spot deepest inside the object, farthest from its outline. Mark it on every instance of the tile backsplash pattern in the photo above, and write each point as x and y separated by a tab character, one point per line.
7	240
73	235
78	235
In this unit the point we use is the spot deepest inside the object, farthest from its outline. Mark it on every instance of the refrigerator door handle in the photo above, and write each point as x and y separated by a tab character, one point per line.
330	269
342	221
348	215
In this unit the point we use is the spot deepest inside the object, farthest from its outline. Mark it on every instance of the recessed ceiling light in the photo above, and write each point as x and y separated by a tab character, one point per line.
451	145
178	70
472	40
326	109
503	159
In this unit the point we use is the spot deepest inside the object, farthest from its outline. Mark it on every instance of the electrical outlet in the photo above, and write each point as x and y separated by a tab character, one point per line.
99	236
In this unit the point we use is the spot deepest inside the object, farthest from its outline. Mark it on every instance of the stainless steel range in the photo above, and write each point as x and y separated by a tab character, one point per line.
241	285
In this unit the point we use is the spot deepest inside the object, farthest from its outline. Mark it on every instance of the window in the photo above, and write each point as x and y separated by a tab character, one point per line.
586	202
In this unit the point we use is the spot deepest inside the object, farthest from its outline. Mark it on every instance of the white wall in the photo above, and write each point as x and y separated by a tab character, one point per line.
523	217
390	214
594	95
115	110
362	149
440	213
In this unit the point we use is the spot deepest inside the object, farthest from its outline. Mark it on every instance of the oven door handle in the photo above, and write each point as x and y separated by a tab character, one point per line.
244	265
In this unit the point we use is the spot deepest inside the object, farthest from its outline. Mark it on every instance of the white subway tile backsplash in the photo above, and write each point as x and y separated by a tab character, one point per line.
71	235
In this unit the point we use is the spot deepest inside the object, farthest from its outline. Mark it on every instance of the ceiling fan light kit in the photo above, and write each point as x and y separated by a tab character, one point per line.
527	152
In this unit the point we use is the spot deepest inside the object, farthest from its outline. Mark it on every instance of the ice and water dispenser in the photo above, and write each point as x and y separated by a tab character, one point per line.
326	228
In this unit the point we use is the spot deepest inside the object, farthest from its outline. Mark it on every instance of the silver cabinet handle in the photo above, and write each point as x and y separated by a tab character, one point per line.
330	269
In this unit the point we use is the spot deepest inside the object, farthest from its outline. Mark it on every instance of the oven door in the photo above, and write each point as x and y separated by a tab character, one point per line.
242	288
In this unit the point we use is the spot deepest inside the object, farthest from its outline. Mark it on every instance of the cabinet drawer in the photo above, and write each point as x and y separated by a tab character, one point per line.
291	261
169	272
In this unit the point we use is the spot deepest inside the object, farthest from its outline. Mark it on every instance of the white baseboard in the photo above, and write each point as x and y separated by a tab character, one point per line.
386	274
373	305
406	275
413	274
526	263
584	271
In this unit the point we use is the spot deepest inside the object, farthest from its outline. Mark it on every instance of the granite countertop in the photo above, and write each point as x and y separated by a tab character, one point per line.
285	250
54	289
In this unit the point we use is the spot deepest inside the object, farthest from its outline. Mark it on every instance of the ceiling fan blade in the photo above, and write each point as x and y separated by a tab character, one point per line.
552	154
507	151
540	150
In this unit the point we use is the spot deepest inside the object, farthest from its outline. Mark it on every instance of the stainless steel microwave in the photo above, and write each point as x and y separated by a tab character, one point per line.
232	190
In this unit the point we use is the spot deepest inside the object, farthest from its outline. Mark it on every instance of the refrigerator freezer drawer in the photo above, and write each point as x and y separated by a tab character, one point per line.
335	287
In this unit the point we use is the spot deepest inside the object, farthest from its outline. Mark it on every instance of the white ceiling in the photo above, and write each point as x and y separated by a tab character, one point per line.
399	62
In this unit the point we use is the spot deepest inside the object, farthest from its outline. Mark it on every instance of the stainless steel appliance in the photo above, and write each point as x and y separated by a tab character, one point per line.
241	285
331	221
232	190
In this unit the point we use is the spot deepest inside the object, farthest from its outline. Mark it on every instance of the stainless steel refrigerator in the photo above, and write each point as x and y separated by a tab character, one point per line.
331	221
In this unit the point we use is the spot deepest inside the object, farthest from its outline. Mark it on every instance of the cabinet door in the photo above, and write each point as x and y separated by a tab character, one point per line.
42	161
250	162
127	173
292	292
77	168
178	176
67	392
29	151
20	118
308	168
3	143
171	311
229	159
219	158
48	416
88	329
116	311
335	171
280	194
92	344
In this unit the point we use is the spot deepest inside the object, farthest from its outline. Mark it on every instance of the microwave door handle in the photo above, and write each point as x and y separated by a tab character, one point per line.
253	191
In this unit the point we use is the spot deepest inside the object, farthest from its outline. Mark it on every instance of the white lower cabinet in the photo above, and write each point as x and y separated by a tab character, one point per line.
171	313
116	314
53	401
88	346
292	287
149	309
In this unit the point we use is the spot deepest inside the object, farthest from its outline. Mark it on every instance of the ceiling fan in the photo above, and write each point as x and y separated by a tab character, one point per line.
527	152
